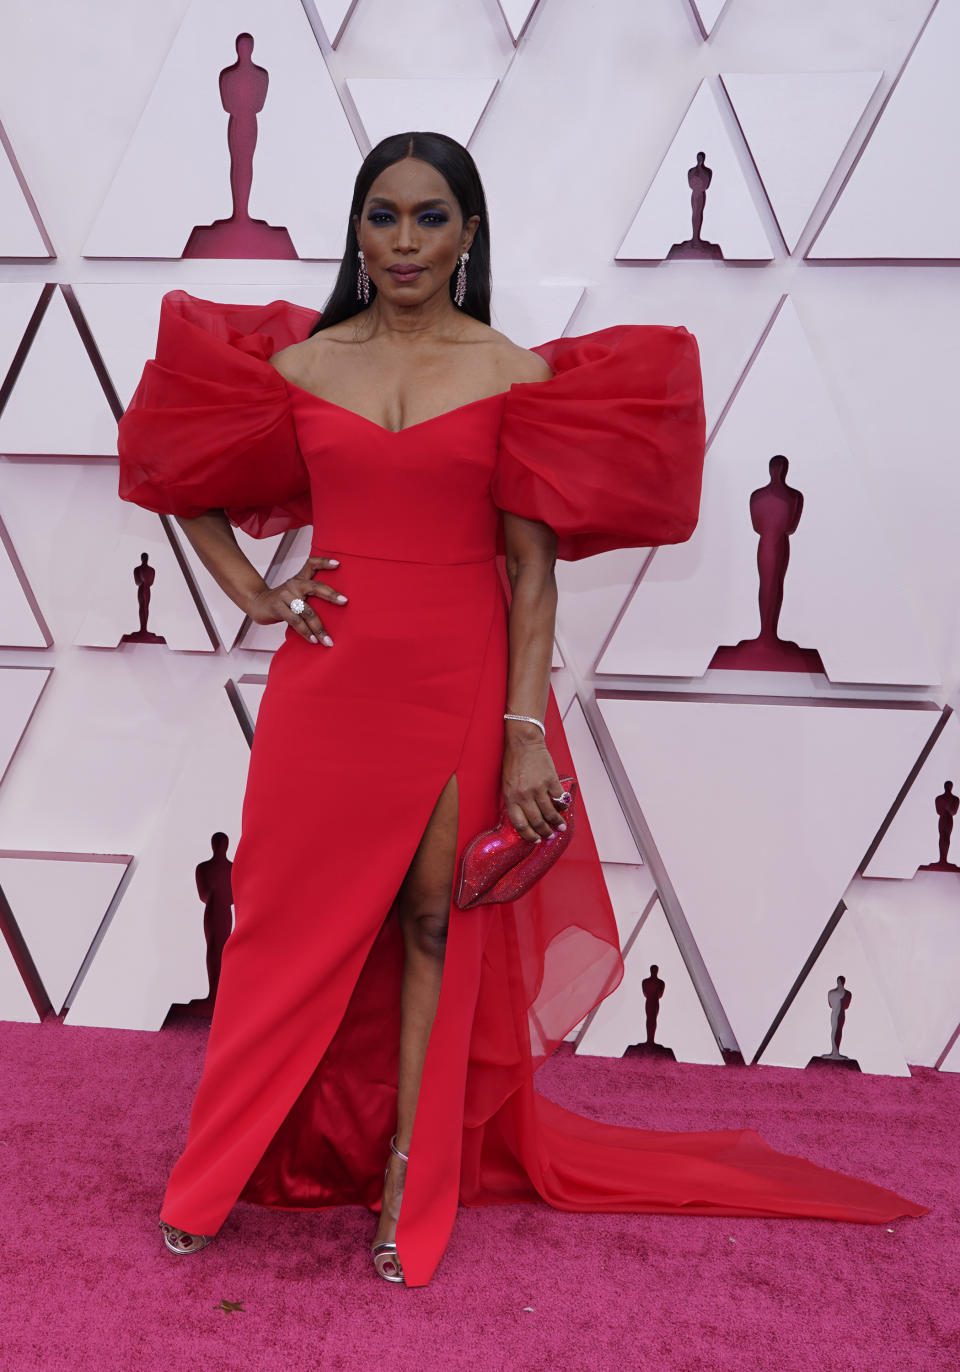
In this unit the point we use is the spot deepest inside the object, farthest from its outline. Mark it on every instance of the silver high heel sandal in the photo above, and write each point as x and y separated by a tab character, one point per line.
385	1258
179	1241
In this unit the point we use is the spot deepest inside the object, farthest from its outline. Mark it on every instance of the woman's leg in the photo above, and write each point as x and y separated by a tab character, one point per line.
424	908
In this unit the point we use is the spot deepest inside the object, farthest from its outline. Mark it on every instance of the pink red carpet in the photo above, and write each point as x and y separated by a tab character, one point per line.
92	1119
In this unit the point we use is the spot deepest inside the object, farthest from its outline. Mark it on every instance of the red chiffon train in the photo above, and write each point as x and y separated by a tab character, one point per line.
297	1098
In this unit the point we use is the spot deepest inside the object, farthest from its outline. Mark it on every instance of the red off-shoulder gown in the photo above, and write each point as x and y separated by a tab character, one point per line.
353	745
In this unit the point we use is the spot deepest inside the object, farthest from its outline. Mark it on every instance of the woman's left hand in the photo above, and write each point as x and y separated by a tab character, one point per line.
529	782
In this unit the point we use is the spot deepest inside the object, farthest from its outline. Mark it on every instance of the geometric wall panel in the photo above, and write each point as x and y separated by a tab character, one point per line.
951	1062
334	16
18	300
20	691
140	590
914	836
175	173
707	13
680	1022
844	593
532	312
123	318
911	932
760	814
796	125
517	14
901	199
449	104
15	1001
607	823
226	616
153	953
591	593
21	623
58	902
21	232
57	404
730	221
825	1006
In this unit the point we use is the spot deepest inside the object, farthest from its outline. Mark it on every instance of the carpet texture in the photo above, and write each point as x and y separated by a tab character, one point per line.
91	1120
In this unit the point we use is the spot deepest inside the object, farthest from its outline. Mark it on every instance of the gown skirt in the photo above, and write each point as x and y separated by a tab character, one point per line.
352	748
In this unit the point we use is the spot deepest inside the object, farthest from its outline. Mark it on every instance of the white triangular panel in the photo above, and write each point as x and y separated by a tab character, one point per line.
112	603
607	823
911	934
57	404
20	235
124	318
59	903
797	125
250	690
21	625
707	13
730	217
844	592
448	104
227	617
334	16
20	690
175	173
681	1024
951	1062
592	592
902	199
517	15
266	638
761	814
533	312
868	1034
912	839
153	953
15	1002
18	300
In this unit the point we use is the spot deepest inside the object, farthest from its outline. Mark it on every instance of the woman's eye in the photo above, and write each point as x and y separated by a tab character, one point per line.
432	217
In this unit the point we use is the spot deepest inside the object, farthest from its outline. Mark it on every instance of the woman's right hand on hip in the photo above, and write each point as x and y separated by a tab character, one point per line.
272	604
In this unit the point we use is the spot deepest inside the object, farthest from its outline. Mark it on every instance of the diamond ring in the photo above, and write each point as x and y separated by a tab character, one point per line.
298	606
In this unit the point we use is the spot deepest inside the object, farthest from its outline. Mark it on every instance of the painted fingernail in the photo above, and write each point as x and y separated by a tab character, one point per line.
334	561
341	599
328	640
561	826
314	639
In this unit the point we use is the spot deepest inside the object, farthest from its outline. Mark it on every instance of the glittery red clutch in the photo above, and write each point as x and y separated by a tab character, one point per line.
498	864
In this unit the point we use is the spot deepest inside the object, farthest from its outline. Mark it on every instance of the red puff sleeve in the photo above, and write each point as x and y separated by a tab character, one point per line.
608	451
210	425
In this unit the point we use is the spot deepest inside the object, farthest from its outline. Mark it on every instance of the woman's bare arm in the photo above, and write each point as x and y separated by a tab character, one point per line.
214	542
529	776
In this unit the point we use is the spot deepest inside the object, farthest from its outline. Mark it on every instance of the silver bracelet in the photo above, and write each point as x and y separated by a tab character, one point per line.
529	719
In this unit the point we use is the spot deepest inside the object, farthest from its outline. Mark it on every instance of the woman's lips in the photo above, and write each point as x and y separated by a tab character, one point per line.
405	273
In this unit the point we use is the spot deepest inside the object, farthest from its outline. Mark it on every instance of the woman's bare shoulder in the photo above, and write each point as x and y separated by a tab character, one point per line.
519	364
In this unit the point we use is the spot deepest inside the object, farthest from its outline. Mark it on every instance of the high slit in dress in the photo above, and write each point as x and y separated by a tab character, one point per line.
353	746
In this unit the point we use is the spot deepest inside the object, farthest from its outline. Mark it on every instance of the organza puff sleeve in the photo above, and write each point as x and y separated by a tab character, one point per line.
210	424
609	450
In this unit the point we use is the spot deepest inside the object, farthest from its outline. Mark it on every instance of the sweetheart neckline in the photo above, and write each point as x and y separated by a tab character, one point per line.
422	423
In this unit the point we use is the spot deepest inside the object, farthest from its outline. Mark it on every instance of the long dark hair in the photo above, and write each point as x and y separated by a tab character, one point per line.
455	164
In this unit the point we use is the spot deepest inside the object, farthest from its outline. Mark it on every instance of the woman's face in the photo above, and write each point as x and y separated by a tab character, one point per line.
411	232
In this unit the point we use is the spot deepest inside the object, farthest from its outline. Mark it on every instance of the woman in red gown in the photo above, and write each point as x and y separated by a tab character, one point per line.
361	1017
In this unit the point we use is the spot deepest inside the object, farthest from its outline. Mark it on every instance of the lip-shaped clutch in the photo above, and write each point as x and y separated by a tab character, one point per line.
498	864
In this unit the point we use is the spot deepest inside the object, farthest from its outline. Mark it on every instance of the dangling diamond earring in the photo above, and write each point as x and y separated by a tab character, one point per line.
363	280
460	289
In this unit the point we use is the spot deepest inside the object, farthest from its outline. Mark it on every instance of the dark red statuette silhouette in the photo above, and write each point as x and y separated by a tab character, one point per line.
243	93
698	179
215	890
653	988
775	511
838	998
297	1101
144	575
947	806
